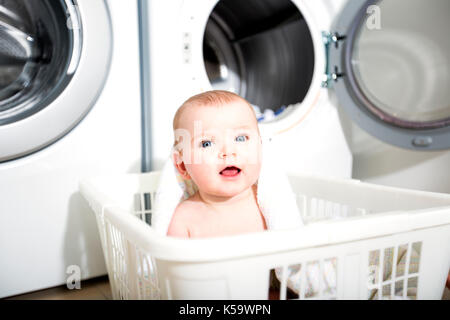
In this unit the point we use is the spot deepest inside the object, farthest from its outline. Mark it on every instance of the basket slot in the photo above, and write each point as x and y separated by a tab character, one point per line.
306	280
315	209
292	271
118	276
147	280
389	280
143	206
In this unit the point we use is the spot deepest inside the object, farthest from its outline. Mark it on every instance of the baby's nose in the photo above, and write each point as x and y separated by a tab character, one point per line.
227	151
223	155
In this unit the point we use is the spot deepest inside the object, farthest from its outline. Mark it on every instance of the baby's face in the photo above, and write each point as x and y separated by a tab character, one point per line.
223	156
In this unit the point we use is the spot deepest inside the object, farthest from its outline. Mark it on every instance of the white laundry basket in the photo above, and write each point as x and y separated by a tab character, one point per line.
382	243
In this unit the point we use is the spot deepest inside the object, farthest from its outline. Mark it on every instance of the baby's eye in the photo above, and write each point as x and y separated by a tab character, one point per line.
241	138
206	143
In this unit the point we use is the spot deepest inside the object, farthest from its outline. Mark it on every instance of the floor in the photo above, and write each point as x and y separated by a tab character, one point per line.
446	295
94	289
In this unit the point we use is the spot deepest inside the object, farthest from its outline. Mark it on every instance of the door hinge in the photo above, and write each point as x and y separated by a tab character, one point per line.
331	74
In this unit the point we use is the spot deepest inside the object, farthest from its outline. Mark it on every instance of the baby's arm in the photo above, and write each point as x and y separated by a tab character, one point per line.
178	227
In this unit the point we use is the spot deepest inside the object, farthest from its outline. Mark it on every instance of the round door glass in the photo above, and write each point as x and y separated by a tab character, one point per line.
401	61
260	49
40	44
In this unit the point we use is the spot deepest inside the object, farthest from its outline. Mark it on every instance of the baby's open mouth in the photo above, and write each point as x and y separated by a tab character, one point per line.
230	171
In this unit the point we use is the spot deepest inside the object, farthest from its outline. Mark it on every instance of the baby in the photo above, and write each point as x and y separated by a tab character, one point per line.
218	146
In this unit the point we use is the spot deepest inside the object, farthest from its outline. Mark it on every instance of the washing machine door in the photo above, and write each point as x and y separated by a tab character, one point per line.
390	64
54	58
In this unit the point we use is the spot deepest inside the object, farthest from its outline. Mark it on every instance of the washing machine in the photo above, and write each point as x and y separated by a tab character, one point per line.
345	88
269	52
69	109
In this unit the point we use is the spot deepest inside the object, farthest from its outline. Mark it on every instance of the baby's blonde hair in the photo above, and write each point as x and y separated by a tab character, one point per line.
213	98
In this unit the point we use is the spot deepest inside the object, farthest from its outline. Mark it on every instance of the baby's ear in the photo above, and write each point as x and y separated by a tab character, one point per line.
177	156
179	164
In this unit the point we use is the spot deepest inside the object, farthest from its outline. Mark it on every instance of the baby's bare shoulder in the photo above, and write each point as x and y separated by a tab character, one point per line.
183	209
186	214
188	209
178	226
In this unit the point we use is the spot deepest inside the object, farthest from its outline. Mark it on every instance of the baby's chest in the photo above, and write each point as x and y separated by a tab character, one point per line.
210	224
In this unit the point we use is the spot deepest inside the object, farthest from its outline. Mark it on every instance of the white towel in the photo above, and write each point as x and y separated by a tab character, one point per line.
274	194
